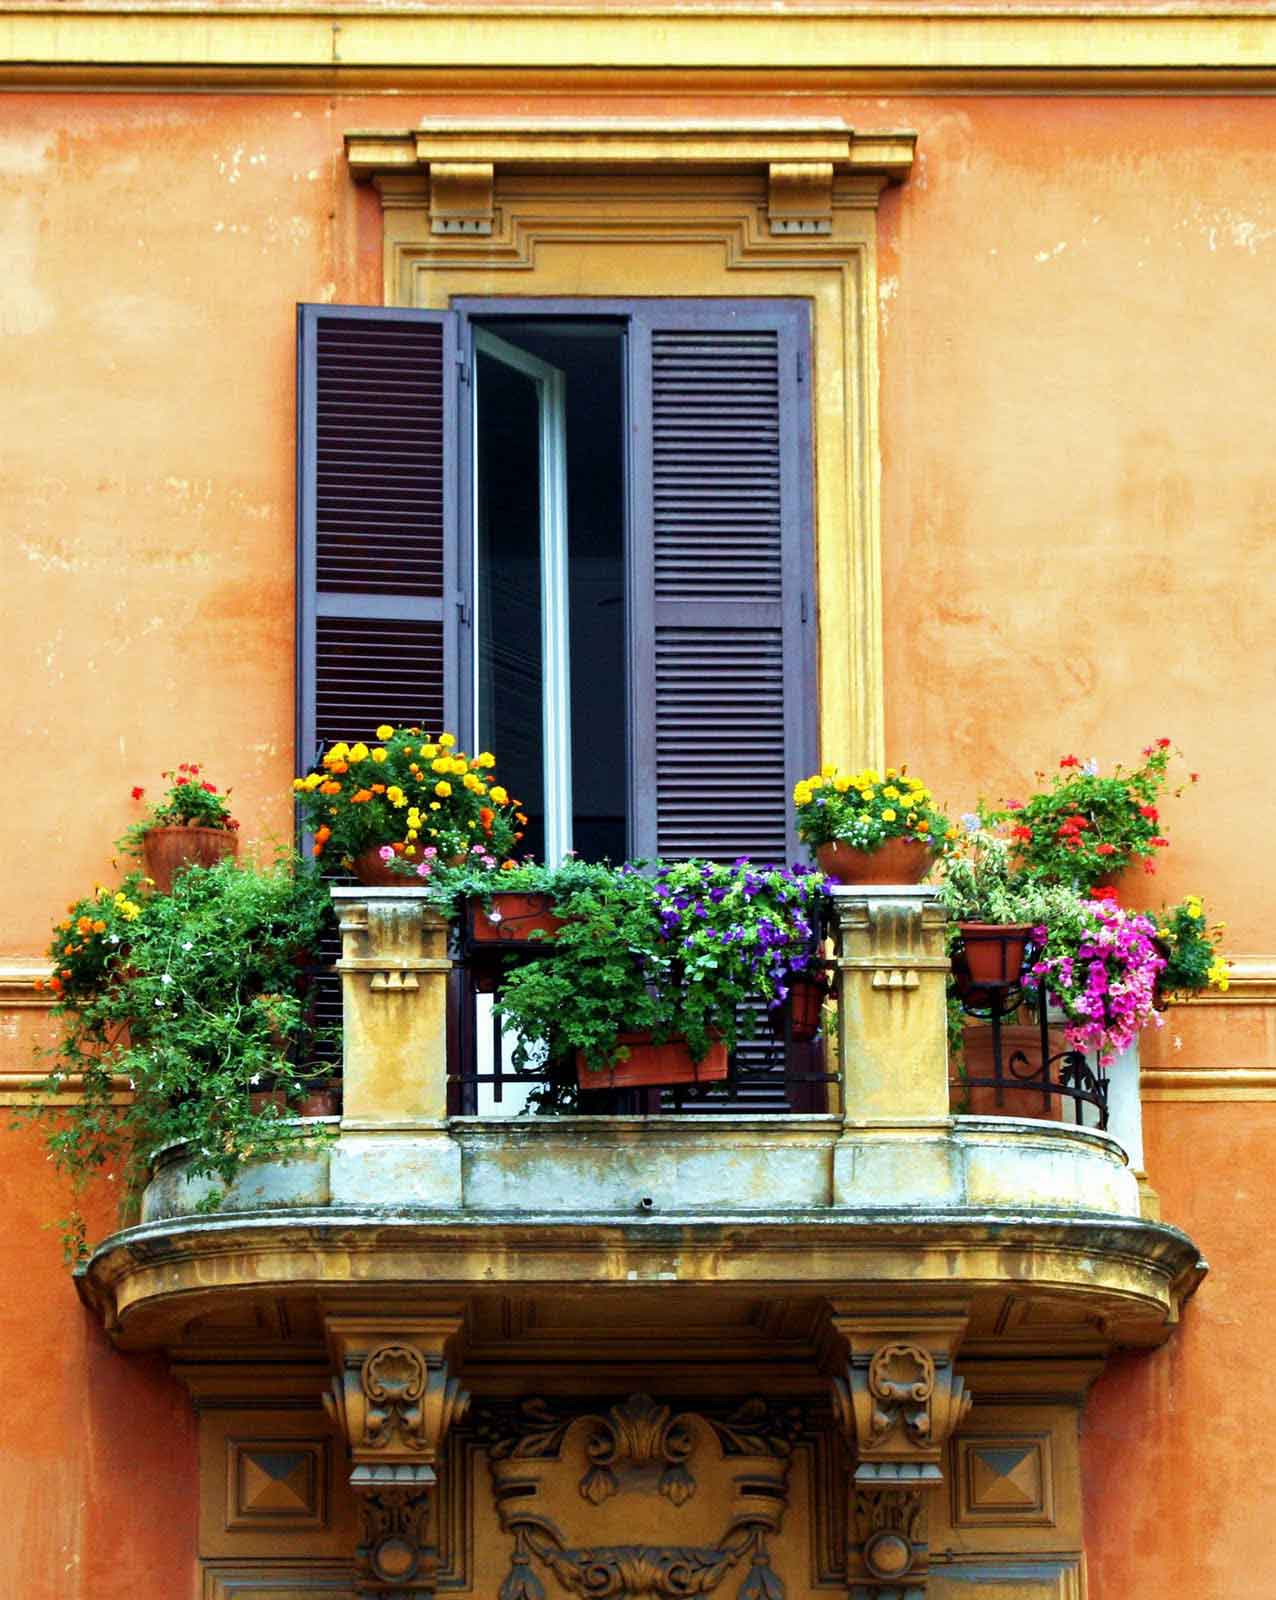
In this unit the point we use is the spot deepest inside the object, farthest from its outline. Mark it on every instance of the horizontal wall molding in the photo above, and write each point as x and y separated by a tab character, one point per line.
1251	982
1204	1085
170	43
18	979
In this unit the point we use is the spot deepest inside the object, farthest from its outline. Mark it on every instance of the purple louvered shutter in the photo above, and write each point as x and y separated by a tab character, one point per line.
722	621
378	603
377	547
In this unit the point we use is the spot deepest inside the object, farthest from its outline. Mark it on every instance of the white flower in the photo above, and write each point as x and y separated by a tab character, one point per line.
254	1080
1090	768
167	978
113	938
494	916
188	945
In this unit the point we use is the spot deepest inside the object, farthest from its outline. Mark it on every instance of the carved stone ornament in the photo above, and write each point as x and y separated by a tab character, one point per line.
396	1402
638	1453
898	1405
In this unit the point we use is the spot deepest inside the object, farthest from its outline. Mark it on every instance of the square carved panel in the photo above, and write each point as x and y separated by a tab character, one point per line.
1003	1479
276	1484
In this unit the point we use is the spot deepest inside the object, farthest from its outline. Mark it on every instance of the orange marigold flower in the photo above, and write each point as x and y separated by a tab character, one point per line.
359	798
339	766
487	817
322	835
329	788
99	926
55	983
378	788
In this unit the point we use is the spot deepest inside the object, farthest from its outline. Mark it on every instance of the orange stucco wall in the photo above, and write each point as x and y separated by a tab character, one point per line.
1077	494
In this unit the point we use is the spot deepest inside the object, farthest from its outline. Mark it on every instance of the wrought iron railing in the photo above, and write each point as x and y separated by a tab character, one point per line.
1023	1084
783	1068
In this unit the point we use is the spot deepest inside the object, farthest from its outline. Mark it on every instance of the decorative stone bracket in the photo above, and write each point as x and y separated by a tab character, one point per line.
462	156
898	1402
395	1400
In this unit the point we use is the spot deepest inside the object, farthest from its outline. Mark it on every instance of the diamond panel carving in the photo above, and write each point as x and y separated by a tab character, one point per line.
276	1484
1003	1479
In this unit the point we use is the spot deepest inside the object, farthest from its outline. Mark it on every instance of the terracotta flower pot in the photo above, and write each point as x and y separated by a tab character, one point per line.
804	1009
649	1064
168	851
374	873
1017	1099
994	952
513	918
325	1102
894	861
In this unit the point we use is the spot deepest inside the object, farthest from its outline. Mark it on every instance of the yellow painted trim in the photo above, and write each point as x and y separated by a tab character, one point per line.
939	45
18	990
1251	982
1227	1084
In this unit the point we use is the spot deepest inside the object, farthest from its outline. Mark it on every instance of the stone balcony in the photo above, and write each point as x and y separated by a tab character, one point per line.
1033	1226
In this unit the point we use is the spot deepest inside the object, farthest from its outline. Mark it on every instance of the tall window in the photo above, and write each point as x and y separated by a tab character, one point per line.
579	534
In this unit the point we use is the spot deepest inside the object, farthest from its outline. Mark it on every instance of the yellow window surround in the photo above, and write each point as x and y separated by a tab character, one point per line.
628	207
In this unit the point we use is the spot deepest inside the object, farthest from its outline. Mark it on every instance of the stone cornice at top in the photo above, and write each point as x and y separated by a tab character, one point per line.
825	44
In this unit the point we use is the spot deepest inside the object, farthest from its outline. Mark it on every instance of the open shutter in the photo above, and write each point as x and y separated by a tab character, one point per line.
378	596
722	621
378	587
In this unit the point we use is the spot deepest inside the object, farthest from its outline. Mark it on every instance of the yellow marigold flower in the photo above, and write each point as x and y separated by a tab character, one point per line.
841	784
412	834
891	792
828	770
866	795
314	780
441	764
299	783
951	833
473	784
442	789
429	751
339	752
409	850
892	772
888	815
396	796
801	793
871	776
499	794
414	817
434	806
385	731
485	758
446	740
459	765
378	754
358	752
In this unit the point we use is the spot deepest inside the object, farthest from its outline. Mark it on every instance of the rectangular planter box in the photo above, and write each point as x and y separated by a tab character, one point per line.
650	1064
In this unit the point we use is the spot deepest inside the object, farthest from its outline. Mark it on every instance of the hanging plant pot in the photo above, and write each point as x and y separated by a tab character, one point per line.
513	918
894	861
168	851
994	952
802	1011
649	1064
374	873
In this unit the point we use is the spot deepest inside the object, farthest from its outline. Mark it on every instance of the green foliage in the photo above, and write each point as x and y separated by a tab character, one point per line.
196	1005
419	798
450	887
191	802
1086	826
677	954
1190	945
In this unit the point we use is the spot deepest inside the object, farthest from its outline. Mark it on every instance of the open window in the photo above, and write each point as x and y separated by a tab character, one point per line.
578	533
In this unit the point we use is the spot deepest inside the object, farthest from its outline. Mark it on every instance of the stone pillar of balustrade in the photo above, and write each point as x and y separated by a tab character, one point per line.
394	968
892	980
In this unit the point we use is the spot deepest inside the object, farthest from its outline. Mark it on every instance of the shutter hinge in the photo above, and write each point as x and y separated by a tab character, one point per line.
462	611
804	605
462	367
801	368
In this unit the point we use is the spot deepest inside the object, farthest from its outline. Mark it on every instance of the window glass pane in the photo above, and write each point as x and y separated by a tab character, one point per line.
509	584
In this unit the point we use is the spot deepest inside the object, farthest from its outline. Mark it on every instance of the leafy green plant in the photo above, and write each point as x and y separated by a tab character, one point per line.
417	799
866	808
190	802
679	953
1086	826
980	883
451	887
1189	943
176	1011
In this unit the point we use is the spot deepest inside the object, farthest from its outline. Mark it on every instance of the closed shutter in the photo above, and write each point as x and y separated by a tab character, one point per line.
376	534
722	615
722	625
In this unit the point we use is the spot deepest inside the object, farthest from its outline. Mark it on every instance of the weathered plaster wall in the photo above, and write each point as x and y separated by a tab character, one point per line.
1178	1501
1077	507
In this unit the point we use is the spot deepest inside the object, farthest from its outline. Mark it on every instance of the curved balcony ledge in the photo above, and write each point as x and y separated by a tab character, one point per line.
1035	1281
